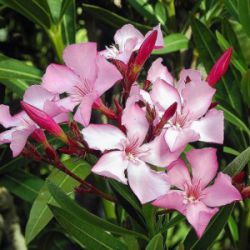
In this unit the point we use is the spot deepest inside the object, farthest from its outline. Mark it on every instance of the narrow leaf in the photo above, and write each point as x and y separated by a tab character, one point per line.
86	234
244	15
173	43
40	215
156	243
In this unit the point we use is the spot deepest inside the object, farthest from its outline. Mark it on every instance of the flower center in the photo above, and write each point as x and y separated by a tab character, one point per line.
192	193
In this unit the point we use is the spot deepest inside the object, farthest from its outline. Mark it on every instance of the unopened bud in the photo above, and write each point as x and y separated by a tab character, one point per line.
220	67
44	121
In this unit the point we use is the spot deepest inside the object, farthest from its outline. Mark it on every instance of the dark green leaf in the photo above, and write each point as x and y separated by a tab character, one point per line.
24	185
234	119
244	15
245	88
72	207
144	8
86	234
111	18
172	222
11	69
172	43
35	10
233	228
156	243
40	215
238	163
18	86
214	228
232	7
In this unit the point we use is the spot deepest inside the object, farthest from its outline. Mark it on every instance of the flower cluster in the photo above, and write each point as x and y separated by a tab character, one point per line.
148	126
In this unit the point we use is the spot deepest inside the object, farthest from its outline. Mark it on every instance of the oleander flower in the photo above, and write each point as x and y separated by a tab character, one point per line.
193	196
20	126
85	77
126	155
194	120
127	40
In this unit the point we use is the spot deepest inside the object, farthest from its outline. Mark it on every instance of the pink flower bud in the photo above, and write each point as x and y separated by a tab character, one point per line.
39	136
220	67
44	121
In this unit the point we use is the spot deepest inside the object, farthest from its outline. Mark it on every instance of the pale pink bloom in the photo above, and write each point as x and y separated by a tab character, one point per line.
85	77
20	126
194	120
194	197
125	155
127	40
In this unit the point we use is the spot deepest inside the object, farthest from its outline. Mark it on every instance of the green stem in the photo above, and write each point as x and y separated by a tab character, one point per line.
109	209
55	35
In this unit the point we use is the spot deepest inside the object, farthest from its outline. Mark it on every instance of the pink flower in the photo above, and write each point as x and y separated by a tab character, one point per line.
126	153
85	77
20	126
194	119
194	198
127	40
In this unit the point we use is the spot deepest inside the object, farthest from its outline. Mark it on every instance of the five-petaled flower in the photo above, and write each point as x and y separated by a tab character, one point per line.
194	197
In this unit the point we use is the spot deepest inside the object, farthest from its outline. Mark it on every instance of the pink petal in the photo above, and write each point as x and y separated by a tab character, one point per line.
5	117
159	40
81	58
6	136
178	138
222	192
147	184
178	174
157	152
187	75
198	215
112	165
104	137
67	103
197	98
125	34
159	71
107	76
210	127
164	94
83	112
19	139
36	96
204	165
135	121
59	78
173	200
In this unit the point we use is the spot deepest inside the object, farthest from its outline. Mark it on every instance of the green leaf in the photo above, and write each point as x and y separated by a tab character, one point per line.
14	69
172	43
244	14
209	51
234	119
35	10
232	7
245	88
233	228
55	9
15	85
40	215
12	165
173	221
144	8
236	61
214	228
111	18
86	234
72	207
160	13
156	243
24	185
238	163
68	20
230	151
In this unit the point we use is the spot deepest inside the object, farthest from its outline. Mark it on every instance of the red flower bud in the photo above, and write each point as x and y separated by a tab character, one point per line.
245	192
165	118
39	136
145	50
220	67
44	121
